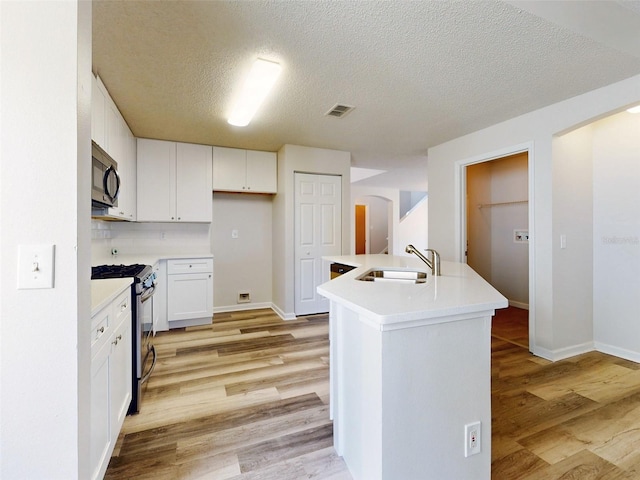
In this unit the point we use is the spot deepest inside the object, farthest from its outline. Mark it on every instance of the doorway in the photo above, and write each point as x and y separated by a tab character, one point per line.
318	233
361	230
497	235
377	228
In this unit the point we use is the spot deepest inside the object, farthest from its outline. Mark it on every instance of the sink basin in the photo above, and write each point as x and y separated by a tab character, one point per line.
393	275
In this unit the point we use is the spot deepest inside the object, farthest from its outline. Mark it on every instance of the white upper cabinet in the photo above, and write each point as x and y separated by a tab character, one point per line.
127	165
110	131
262	171
248	171
193	183
229	169
98	127
156	180
174	181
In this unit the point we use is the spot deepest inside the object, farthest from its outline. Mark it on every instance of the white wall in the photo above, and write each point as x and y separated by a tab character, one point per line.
45	151
552	336
359	194
616	235
573	219
243	263
379	221
414	228
509	265
291	159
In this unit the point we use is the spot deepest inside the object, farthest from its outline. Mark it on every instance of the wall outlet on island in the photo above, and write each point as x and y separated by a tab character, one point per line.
472	435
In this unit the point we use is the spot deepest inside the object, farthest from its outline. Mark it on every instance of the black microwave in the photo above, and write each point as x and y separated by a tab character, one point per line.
105	181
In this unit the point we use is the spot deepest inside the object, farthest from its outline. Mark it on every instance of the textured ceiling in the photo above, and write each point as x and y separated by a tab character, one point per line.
418	72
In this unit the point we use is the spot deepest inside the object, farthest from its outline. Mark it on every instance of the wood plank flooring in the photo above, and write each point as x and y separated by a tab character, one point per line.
247	398
574	419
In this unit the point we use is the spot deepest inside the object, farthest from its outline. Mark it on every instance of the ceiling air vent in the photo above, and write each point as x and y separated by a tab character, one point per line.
339	111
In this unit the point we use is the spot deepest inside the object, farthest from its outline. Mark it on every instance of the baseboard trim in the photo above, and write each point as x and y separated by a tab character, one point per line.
283	315
254	306
193	322
242	306
618	352
524	306
562	353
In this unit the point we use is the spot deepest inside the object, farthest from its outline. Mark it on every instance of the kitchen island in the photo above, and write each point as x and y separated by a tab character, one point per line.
410	368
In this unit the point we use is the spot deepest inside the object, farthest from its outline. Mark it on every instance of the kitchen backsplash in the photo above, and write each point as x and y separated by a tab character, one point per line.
100	234
132	238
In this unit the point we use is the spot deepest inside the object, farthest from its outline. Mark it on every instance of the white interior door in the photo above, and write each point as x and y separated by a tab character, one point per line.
318	232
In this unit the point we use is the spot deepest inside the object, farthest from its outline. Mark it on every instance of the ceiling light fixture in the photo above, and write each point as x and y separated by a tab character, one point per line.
256	86
635	109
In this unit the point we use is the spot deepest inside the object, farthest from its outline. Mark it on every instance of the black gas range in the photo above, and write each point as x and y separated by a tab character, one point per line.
138	271
142	349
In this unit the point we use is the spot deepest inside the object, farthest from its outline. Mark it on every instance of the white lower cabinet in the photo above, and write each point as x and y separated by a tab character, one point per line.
101	443
120	373
111	381
189	292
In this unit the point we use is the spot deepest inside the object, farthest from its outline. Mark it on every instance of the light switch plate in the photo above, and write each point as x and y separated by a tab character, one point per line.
35	266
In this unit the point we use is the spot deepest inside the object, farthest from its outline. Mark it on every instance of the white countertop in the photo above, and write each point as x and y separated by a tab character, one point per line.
143	258
103	292
458	291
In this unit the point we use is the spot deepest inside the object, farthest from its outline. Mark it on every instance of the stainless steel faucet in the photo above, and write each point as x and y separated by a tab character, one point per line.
433	264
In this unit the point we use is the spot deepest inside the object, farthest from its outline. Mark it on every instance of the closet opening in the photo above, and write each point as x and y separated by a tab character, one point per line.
497	237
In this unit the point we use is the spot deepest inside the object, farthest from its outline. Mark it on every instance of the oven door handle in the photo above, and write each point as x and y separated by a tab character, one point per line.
147	294
152	351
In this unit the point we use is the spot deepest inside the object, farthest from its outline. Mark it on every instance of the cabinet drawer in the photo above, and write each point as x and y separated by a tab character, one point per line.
190	265
100	328
122	306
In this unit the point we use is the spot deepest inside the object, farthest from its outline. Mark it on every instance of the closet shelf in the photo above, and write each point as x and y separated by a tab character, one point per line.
489	205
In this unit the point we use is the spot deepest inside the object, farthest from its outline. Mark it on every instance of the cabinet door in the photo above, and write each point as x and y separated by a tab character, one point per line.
113	133
97	113
262	172
126	208
229	169
120	372
156	181
100	439
193	183
189	296
131	187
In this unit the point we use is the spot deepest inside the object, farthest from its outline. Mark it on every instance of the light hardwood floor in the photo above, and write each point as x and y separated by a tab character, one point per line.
247	398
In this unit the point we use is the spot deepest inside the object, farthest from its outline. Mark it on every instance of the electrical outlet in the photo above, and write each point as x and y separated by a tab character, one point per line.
472	436
521	236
